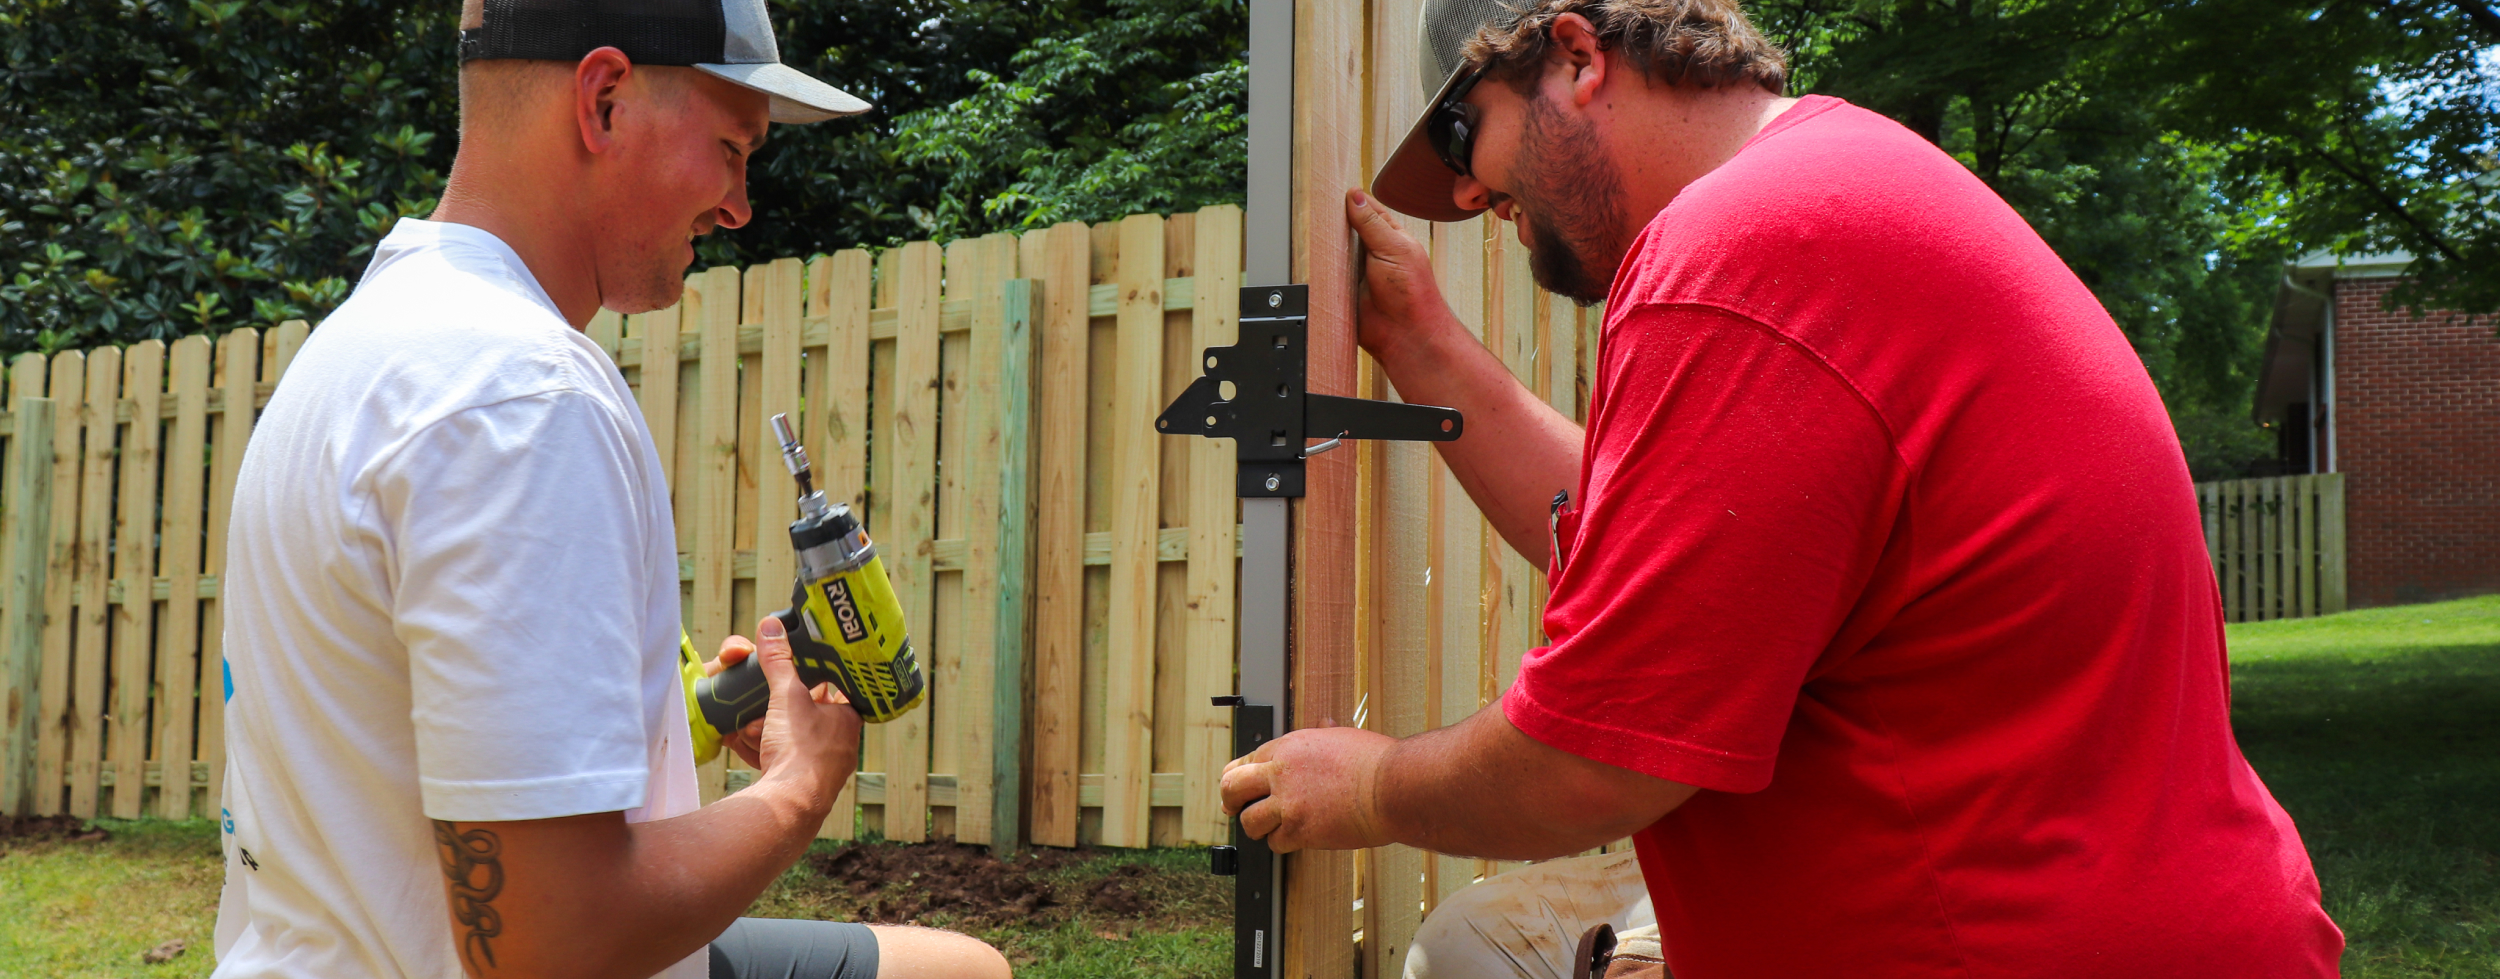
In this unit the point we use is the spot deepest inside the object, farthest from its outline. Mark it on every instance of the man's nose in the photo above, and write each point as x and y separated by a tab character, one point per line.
734	211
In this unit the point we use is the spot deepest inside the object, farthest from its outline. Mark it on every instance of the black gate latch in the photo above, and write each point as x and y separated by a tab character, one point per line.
1271	414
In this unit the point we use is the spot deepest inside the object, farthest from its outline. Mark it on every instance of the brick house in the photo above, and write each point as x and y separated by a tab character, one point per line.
2407	408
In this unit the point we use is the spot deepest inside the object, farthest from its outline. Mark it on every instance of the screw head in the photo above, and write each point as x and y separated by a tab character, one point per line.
1273	482
1275	299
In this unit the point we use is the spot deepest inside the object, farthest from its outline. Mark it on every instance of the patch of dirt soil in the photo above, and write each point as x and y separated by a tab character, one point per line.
907	883
48	829
965	887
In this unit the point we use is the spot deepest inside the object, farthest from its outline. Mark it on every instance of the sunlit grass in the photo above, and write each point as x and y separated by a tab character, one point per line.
2379	731
81	910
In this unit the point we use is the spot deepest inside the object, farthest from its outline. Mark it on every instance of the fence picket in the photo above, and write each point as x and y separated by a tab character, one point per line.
1136	453
913	527
712	300
1059	411
2301	544
1214	511
839	290
776	380
26	529
67	389
607	330
95	521
972	505
134	569
178	633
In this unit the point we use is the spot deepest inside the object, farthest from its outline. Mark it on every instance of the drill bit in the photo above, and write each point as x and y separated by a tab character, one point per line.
812	503
794	455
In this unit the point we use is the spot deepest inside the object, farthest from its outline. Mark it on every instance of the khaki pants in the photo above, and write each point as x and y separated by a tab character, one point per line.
1527	924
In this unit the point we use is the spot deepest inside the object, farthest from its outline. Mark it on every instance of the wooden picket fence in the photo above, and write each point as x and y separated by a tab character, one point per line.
2277	545
1068	573
118	474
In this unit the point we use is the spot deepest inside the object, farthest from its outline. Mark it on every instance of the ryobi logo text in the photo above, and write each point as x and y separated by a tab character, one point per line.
845	611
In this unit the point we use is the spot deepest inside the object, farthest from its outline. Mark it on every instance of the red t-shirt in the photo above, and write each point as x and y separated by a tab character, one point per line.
1886	543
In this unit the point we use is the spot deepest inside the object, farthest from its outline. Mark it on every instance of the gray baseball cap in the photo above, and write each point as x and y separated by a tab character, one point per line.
1415	181
730	39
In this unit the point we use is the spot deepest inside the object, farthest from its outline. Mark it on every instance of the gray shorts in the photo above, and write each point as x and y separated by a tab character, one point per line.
787	948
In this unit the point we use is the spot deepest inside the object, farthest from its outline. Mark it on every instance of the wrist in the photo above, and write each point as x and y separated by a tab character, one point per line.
803	795
1372	802
1419	349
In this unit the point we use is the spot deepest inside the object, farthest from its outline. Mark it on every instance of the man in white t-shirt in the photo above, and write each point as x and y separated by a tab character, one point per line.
457	733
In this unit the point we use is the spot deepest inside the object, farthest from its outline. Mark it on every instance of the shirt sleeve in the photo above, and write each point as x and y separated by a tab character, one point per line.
1736	497
520	579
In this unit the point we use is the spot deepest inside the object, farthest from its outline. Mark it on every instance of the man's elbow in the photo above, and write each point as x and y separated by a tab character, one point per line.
1597	804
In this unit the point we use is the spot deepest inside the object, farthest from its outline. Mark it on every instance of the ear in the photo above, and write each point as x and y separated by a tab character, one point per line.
1579	54
596	82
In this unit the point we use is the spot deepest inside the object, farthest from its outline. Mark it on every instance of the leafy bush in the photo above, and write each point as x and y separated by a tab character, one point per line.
176	166
167	168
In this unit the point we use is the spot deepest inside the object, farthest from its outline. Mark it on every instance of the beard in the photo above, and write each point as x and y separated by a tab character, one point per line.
1574	198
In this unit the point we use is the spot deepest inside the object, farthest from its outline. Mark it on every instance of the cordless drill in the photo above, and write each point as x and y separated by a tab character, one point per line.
844	623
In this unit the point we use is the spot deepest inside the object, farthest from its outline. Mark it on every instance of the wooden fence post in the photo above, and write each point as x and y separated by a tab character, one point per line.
26	528
1328	111
1022	310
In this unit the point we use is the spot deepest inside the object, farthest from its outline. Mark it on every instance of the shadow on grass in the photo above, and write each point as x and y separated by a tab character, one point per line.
2388	759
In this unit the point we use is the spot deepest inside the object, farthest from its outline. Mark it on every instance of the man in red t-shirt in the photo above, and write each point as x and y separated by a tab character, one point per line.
1881	616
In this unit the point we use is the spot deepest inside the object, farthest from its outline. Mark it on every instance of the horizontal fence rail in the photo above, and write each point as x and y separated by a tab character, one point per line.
2277	545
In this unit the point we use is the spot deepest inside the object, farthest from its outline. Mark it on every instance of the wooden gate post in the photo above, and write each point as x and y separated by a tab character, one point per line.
1329	113
26	530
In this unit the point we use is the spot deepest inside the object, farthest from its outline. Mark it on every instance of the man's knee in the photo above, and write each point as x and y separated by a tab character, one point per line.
1525	924
928	953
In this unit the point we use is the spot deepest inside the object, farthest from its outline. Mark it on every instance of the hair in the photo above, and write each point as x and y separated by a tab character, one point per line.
494	94
1701	43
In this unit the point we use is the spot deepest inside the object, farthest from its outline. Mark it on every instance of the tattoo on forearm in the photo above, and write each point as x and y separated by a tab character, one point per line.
473	867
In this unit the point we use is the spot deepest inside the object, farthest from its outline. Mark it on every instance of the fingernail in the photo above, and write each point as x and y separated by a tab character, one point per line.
771	629
1360	200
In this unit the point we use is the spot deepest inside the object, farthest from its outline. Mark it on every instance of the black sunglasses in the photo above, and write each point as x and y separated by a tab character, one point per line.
1453	126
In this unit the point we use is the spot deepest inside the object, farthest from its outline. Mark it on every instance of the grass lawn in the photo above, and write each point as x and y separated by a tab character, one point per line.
90	910
2379	731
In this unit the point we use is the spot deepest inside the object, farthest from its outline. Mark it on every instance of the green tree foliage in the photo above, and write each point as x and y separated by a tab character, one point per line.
1068	111
167	168
2175	152
171	166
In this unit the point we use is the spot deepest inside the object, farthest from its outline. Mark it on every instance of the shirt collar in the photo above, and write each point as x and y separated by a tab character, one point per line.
464	247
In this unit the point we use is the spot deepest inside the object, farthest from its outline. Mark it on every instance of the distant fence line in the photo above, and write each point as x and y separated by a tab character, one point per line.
2277	545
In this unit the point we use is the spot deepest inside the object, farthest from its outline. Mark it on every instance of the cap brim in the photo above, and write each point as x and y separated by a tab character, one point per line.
798	98
1415	181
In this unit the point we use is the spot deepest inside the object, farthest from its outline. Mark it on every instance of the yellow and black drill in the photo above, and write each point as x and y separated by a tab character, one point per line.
844	623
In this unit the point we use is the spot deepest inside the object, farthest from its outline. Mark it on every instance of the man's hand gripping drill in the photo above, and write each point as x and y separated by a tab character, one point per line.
813	729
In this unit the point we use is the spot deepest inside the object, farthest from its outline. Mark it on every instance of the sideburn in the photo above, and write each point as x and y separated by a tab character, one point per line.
1574	196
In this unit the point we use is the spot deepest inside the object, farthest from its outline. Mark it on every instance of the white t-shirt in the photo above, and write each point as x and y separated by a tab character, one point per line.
450	593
